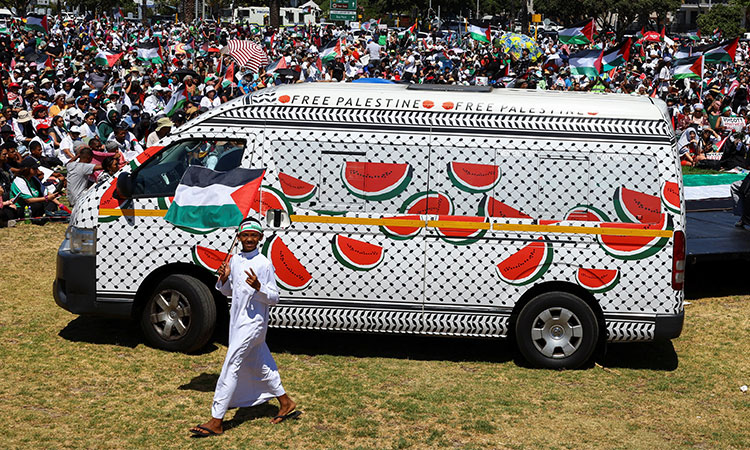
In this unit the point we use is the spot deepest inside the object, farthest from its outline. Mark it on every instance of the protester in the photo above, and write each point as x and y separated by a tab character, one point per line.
249	375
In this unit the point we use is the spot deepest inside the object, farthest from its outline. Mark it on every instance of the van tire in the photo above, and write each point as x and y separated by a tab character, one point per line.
180	315
557	330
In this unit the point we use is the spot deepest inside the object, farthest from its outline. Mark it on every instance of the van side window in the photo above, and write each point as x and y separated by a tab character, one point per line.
615	173
369	175
563	184
160	175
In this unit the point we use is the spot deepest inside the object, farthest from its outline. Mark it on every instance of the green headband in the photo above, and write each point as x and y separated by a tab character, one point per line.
250	226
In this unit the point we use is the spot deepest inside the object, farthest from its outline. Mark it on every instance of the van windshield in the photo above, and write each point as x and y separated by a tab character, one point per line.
160	175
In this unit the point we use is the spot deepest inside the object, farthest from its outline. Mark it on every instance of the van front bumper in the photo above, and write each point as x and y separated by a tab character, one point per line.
74	288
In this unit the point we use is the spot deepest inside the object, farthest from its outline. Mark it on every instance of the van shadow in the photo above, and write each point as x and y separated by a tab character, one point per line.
717	279
118	332
313	343
658	355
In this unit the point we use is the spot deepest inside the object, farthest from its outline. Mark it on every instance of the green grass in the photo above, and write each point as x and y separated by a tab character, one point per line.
70	382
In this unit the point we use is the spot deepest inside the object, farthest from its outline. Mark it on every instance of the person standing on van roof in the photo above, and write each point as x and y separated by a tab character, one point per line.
249	376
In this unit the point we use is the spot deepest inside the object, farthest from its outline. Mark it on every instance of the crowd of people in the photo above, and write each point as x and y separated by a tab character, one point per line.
80	99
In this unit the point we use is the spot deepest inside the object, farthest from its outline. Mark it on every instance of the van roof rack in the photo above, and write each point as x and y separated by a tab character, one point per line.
448	88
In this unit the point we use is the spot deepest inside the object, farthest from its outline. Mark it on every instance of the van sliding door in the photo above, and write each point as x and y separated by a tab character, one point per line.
365	276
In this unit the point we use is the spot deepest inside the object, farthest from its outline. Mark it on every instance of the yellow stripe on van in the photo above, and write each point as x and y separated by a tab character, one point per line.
565	229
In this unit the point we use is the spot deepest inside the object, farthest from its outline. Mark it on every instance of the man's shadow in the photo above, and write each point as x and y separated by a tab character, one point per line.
206	382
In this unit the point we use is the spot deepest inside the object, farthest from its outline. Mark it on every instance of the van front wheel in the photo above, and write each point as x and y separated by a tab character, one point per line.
180	315
557	330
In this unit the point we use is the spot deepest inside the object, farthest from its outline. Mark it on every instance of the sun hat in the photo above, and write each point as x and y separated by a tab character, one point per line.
24	116
162	123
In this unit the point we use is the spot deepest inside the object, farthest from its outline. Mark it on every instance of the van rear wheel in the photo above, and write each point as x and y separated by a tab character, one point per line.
557	330
180	315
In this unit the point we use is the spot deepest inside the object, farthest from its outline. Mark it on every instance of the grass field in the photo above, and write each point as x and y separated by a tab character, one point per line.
70	382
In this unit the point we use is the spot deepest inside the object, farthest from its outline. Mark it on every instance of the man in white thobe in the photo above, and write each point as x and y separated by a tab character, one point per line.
249	376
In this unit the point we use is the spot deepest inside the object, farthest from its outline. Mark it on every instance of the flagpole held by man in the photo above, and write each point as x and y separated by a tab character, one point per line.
249	375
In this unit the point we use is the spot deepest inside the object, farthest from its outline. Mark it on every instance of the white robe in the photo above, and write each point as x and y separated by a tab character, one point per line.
249	376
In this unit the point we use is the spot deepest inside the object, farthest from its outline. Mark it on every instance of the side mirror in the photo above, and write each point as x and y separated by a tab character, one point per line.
278	218
124	186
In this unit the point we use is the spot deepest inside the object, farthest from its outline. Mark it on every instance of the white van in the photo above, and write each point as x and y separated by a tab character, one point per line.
555	217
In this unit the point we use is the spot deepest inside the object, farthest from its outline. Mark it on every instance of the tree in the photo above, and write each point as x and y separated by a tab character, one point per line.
19	6
724	17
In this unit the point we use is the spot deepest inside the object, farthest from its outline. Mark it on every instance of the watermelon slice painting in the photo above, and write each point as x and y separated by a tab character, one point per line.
634	247
637	207
398	232
670	196
427	202
586	213
528	264
375	181
461	236
208	258
598	280
296	190
291	275
271	198
355	254
491	207
473	178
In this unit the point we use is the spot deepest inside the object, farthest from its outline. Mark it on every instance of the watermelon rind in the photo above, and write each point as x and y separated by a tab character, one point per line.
266	251
459	183
387	193
670	206
399	237
482	209
649	249
198	261
622	212
467	240
299	198
280	195
540	270
327	212
600	290
346	262
598	212
409	202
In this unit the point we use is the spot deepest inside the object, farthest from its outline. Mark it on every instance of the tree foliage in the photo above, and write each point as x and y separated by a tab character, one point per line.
724	17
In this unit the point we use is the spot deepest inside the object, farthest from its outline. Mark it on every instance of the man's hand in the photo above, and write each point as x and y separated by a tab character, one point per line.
252	280
223	272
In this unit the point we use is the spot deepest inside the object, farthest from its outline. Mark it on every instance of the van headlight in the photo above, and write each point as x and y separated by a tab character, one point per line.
82	240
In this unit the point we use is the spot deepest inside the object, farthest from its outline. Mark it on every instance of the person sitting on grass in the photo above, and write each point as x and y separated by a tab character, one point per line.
249	376
8	210
29	191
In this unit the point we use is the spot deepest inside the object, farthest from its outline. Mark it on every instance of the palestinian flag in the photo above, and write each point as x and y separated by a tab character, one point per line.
581	33
409	31
177	101
586	62
206	199
276	65
617	56
723	52
150	52
331	51
688	68
694	35
37	23
107	59
480	34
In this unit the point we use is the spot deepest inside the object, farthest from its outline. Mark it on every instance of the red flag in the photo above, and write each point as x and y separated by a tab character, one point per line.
230	73
319	63
48	64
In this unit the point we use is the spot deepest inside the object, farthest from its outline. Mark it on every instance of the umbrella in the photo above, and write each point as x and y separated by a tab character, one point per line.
514	43
182	73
